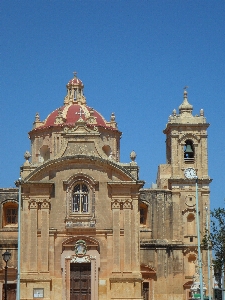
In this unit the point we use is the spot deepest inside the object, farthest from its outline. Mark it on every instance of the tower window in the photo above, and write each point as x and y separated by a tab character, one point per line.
80	199
188	150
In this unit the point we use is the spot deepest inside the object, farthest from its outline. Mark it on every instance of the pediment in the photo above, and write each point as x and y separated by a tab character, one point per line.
81	128
48	170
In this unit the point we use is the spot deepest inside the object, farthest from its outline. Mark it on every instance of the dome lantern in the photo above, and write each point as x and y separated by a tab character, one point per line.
75	91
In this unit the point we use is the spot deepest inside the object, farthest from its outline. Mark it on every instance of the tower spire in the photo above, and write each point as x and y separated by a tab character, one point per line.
185	107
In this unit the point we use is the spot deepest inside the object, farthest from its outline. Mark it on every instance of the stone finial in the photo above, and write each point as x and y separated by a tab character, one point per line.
37	117
113	121
133	156
27	156
37	121
113	117
174	112
202	112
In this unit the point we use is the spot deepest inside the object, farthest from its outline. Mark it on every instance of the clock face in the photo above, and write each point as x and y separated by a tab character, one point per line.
190	173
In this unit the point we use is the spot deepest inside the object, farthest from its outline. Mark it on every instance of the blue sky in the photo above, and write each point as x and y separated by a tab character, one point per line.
134	58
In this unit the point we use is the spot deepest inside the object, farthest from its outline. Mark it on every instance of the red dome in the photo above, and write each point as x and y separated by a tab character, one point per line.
72	113
75	108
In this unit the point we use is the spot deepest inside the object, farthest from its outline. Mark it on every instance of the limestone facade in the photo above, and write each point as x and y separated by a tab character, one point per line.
89	228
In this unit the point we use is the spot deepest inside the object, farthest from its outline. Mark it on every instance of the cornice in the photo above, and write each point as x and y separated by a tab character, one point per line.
126	183
39	183
84	158
190	181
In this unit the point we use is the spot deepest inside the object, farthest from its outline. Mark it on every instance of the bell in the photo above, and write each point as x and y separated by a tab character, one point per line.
188	149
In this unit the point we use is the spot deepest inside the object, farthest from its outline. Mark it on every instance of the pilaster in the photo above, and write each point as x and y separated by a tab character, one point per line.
116	235
127	235
33	254
44	206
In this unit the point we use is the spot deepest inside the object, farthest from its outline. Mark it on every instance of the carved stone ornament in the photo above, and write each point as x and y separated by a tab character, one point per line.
27	155
39	203
80	248
190	200
83	259
127	204
121	203
33	204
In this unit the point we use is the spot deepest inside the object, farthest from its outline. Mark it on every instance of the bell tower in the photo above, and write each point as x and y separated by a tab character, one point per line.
186	148
186	141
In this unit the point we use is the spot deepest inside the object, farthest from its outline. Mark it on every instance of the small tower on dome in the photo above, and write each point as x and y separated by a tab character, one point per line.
75	91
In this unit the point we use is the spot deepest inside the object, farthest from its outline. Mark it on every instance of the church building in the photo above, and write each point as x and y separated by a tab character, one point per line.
90	230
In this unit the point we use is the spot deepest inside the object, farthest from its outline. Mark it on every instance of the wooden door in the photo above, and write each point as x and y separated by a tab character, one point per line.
80	281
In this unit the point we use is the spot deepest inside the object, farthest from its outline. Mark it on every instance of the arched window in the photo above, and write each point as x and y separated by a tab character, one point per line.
189	150
80	198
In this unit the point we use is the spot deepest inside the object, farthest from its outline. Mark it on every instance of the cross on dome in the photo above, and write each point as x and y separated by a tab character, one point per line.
80	113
